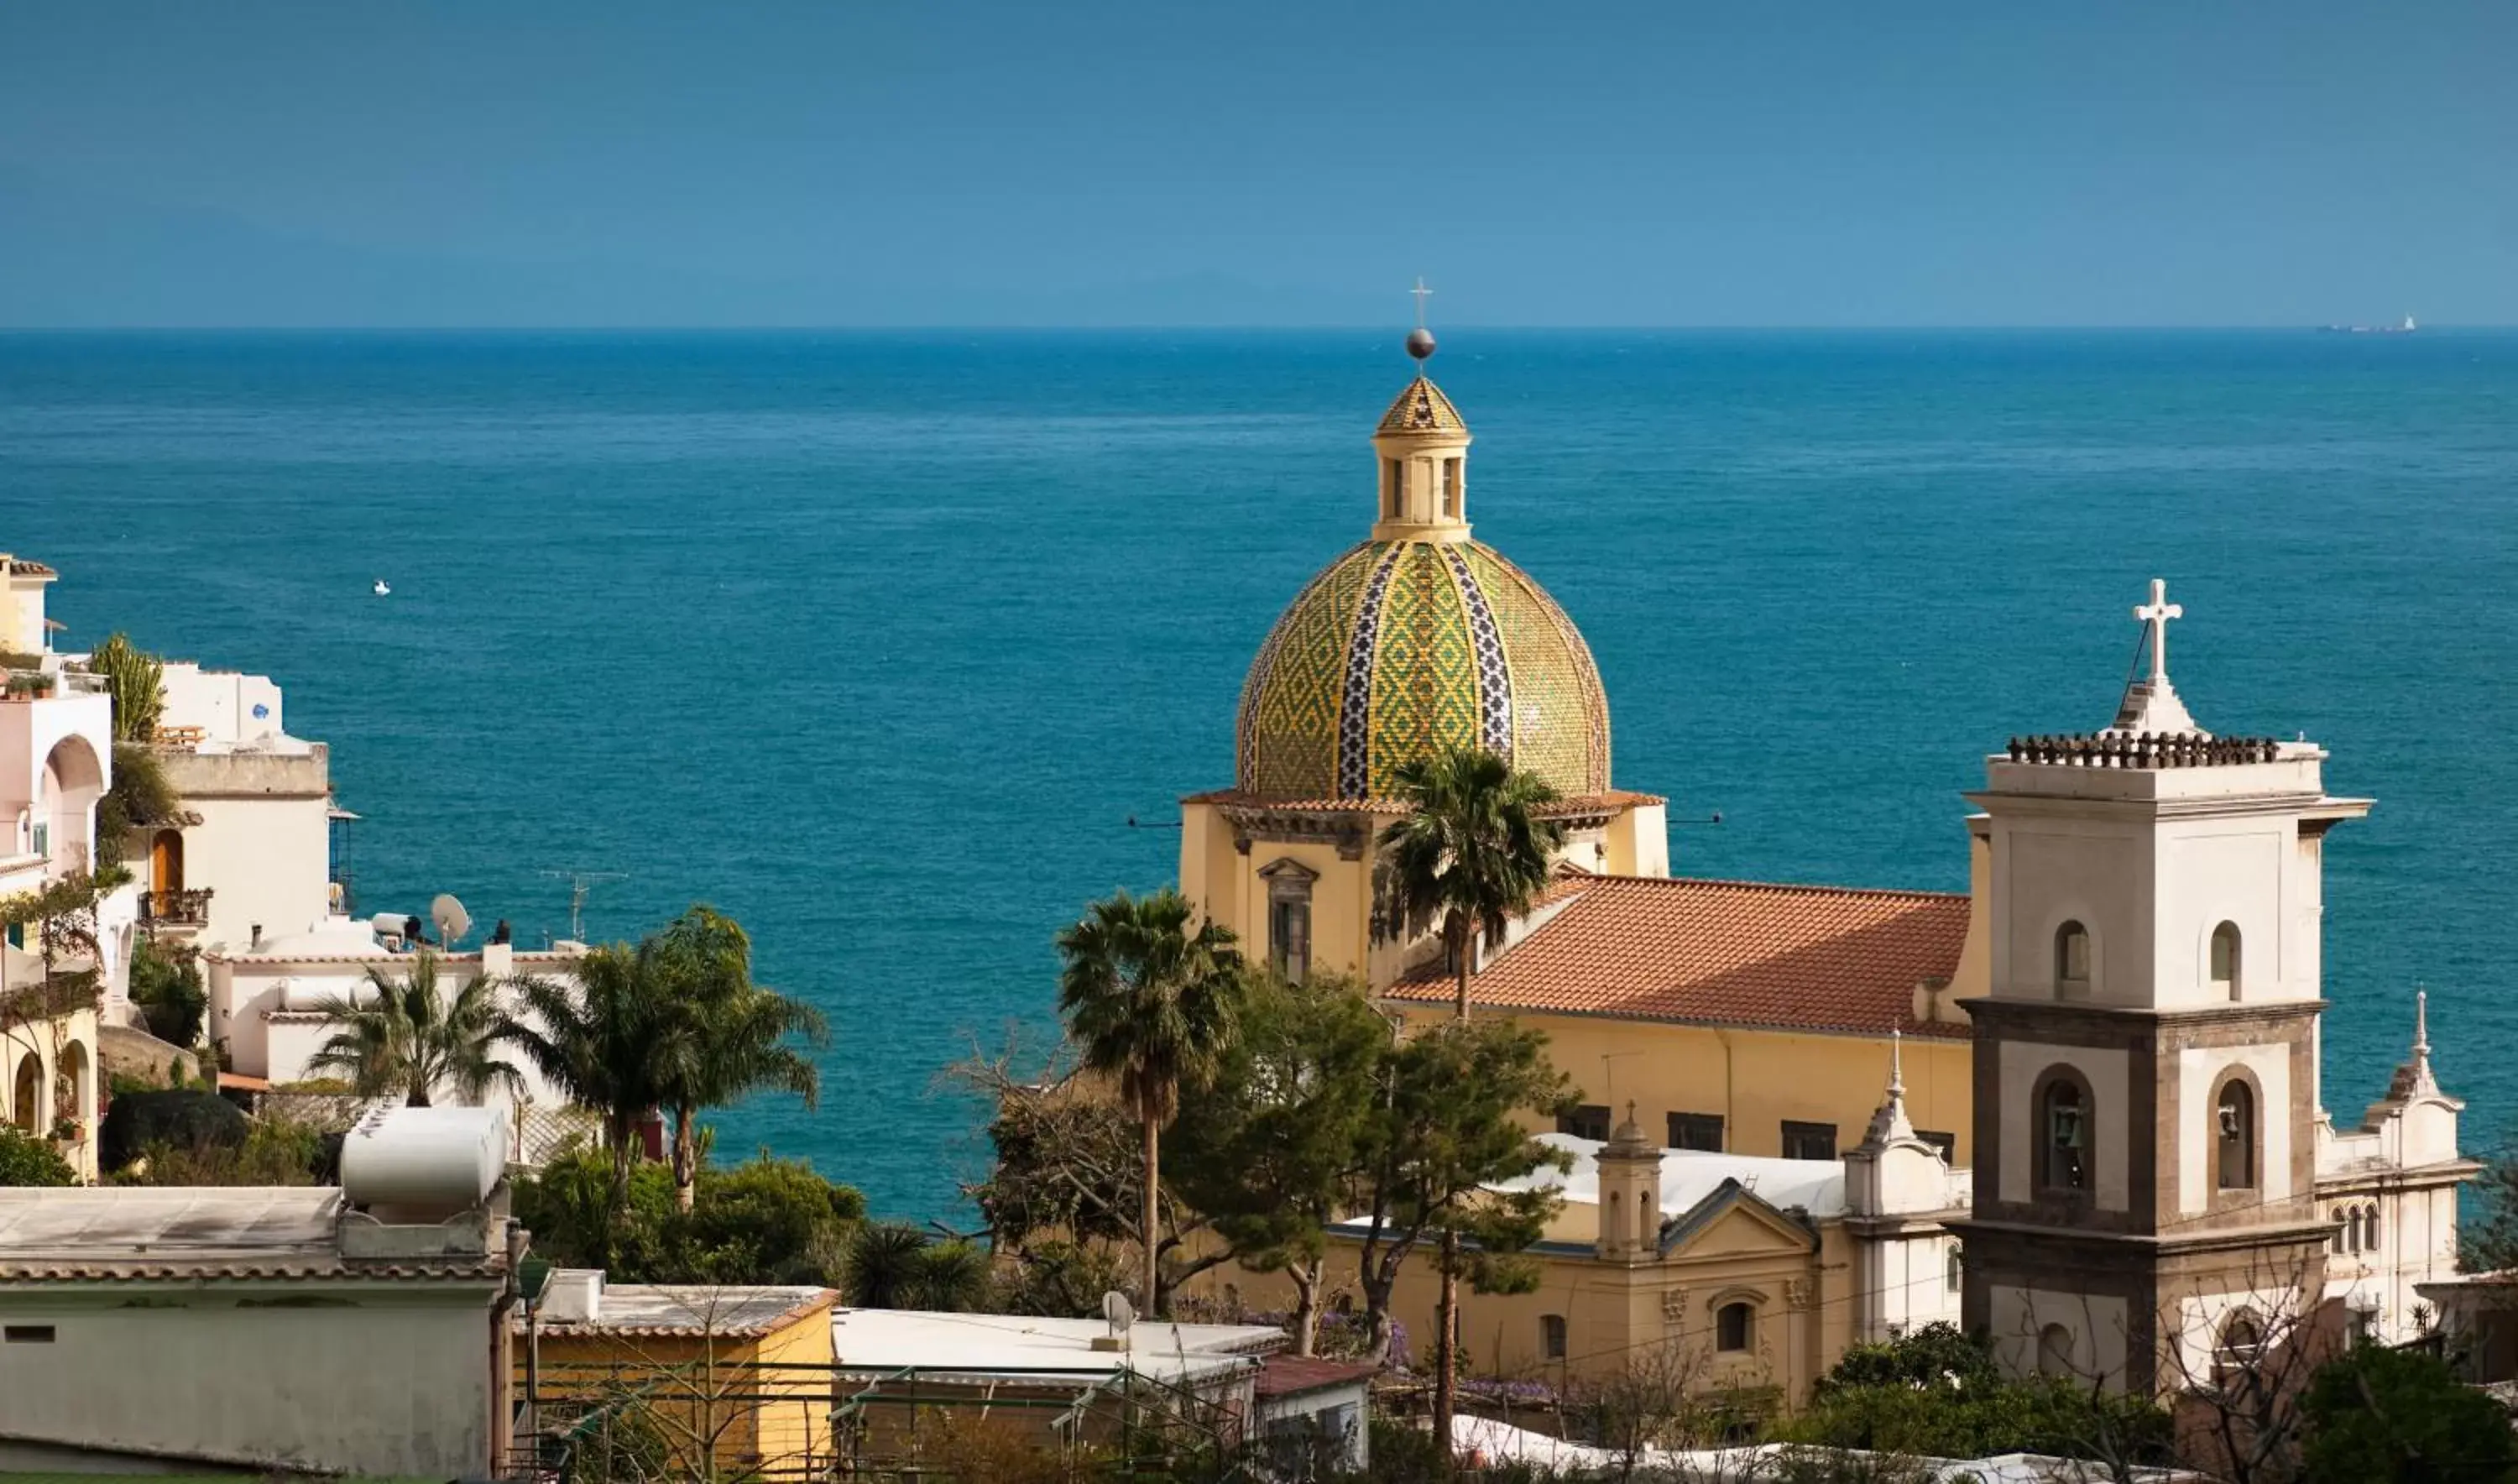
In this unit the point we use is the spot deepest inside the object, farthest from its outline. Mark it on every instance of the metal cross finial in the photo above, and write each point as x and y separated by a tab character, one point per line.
2156	613
1422	293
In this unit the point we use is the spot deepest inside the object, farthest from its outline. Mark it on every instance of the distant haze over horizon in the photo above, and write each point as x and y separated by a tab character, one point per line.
1140	166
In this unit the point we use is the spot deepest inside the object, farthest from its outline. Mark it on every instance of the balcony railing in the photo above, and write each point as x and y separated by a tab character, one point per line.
178	909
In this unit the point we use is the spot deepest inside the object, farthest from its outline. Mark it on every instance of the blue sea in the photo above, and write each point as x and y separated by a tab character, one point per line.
878	640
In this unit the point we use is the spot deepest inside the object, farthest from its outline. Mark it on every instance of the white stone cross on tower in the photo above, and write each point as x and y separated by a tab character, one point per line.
2156	613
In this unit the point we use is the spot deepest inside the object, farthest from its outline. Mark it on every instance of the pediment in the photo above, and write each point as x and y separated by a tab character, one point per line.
1732	1221
1287	868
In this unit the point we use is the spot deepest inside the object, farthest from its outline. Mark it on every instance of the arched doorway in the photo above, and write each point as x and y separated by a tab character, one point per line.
166	865
27	1105
73	1092
73	780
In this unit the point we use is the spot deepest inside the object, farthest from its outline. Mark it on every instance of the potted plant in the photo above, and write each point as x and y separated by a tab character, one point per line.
68	1131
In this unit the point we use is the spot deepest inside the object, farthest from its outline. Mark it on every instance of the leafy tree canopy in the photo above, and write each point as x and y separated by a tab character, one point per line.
2382	1414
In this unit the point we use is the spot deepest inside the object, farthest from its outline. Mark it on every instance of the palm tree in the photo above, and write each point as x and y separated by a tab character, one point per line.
1470	854
892	1265
731	1037
604	1040
1151	1004
405	1038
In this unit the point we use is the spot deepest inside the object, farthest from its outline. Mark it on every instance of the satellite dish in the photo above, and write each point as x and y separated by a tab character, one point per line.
453	921
1119	1312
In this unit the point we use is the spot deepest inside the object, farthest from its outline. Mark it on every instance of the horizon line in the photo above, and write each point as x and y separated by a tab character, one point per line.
947	328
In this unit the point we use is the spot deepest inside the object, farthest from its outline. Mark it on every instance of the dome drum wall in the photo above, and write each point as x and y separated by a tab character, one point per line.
1399	649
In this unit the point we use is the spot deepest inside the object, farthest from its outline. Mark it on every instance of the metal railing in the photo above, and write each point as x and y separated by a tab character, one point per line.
178	908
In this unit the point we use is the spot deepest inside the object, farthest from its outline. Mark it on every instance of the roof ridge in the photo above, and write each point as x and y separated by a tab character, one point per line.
1805	888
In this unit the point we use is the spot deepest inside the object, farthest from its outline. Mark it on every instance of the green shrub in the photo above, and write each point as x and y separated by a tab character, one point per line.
767	1221
183	1121
169	994
271	1154
26	1159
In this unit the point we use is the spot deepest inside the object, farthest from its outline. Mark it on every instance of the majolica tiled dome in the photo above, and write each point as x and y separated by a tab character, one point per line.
1400	648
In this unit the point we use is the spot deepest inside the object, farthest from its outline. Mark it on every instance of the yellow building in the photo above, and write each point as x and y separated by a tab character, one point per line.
1740	1017
742	1373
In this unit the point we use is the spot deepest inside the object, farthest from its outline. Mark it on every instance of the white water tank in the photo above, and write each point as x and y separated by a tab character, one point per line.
421	1160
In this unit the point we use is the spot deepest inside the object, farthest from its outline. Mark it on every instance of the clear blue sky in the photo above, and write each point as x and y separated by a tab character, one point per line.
1679	163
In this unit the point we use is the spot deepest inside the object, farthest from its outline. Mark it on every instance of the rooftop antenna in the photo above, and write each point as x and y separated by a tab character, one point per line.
1609	1071
579	884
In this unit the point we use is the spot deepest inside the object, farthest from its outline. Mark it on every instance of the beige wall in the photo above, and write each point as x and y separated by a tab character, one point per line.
68	1070
264	844
1754	1078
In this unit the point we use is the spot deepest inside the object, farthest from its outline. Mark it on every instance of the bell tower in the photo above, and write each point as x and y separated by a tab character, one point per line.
2146	1063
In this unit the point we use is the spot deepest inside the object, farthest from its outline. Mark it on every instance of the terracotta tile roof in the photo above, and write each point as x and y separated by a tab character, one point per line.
1294	1374
1587	804
1725	952
19	566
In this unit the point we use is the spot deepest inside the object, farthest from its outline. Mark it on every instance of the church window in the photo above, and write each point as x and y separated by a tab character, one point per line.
1551	1337
1588	1121
2369	1229
2242	1340
2225	960
2234	1132
1394	489
1734	1324
1289	936
1954	1270
2063	1136
1808	1141
1696	1131
2055	1351
1947	1144
1289	919
2071	960
1451	487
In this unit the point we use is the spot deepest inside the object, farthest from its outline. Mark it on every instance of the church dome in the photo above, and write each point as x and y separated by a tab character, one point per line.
1403	647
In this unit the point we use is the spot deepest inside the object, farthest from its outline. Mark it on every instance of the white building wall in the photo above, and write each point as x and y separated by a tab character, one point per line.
266	861
223	704
381	1379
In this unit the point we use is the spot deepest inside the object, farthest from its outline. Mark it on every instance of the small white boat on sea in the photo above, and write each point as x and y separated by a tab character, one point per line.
381	590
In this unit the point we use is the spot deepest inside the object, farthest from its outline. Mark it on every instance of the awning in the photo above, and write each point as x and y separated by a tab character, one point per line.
338	813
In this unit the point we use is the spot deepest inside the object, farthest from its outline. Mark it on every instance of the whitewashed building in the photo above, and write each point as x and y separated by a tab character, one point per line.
375	1313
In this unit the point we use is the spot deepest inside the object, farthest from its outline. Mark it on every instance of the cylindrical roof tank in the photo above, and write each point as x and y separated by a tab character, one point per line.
439	1159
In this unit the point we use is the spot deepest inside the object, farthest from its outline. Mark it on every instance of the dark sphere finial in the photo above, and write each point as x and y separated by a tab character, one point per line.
1420	342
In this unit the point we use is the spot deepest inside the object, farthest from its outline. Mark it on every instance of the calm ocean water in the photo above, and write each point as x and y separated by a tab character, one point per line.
877	640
